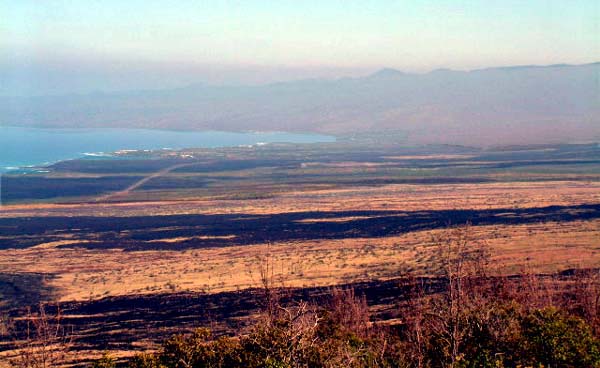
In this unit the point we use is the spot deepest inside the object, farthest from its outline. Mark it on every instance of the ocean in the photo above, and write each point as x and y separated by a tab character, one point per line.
22	147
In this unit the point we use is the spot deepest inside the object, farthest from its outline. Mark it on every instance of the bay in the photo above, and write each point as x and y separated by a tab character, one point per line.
21	147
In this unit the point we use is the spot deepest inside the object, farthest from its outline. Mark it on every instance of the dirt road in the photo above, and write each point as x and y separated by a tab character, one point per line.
137	184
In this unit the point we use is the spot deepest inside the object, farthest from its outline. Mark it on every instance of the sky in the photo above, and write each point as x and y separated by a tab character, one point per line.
53	47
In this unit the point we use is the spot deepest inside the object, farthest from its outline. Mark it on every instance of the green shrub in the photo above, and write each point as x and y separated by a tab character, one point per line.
553	339
106	361
493	334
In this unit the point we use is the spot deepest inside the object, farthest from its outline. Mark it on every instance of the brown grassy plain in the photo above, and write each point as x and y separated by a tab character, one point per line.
84	274
404	197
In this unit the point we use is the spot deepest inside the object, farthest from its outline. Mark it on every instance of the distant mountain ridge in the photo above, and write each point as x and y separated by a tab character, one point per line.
506	105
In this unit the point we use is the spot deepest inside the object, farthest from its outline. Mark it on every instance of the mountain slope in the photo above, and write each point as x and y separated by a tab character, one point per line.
527	104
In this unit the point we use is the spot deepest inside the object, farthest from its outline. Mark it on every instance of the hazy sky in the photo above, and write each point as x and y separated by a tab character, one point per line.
58	46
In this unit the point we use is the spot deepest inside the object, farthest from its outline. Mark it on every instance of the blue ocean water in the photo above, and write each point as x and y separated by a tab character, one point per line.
21	147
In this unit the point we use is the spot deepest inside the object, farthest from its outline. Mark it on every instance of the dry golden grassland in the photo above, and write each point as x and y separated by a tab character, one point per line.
403	197
80	274
90	274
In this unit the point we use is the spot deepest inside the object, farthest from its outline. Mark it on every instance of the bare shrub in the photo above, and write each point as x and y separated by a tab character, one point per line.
349	311
463	268
584	297
45	340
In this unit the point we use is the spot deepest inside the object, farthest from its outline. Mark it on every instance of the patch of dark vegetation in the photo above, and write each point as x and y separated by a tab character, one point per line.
175	182
21	289
115	166
505	165
133	233
542	152
21	187
193	182
450	164
234	165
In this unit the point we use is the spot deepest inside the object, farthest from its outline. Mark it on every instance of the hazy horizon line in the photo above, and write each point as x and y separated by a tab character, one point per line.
372	72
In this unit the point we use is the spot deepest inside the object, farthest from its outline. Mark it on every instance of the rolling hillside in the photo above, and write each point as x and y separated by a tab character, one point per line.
511	105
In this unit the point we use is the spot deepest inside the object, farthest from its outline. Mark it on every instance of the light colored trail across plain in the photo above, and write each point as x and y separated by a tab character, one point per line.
140	182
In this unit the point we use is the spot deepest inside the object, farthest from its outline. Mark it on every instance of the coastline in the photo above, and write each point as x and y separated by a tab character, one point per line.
53	145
